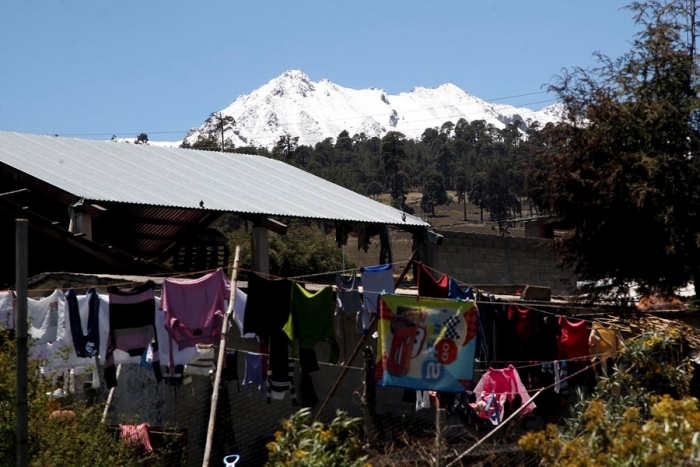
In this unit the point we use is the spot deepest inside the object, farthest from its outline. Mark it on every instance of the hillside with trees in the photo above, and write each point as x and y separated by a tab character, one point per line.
477	162
621	171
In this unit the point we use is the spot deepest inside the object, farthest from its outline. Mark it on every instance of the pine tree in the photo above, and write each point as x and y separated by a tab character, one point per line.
623	171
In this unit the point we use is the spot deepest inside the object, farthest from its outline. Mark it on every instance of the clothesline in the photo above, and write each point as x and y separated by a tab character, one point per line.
534	363
377	291
296	359
538	308
343	271
262	291
551	386
297	279
205	271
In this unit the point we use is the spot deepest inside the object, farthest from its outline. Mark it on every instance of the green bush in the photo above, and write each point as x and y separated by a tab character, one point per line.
303	250
304	444
641	415
79	440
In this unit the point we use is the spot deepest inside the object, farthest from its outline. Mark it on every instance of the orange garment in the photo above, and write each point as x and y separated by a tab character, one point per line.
604	343
660	302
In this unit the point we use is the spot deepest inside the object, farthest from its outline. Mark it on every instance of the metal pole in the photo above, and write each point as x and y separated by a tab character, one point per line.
220	360
21	264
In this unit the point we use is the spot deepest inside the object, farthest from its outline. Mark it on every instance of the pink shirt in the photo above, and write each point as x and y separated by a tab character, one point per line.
194	309
137	436
505	384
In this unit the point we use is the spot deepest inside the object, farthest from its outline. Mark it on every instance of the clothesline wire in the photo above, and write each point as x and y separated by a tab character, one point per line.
539	307
126	283
519	367
590	320
343	271
535	363
569	376
296	359
586	368
259	273
553	305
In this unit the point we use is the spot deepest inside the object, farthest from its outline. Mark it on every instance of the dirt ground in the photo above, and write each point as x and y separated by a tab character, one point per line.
449	217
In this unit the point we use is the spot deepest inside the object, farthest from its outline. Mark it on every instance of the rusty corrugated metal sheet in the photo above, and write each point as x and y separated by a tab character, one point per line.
173	177
144	230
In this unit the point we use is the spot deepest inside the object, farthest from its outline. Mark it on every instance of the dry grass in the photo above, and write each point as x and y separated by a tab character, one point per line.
449	217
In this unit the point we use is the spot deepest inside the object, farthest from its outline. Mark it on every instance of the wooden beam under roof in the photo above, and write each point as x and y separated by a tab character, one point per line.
53	230
38	186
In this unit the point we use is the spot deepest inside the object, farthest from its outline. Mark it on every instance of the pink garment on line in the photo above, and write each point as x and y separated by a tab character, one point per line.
506	384
194	309
137	436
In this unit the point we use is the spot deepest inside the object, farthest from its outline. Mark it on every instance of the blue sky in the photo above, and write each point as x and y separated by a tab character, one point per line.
97	68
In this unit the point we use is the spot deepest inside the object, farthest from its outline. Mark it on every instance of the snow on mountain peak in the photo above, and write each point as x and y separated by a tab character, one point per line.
292	104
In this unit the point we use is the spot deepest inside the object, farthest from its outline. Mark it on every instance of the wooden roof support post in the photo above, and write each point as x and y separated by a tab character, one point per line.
260	243
260	249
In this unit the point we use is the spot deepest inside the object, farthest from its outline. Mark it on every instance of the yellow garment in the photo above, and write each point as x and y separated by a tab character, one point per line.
604	343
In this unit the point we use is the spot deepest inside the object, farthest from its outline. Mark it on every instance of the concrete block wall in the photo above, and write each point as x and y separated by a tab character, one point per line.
491	259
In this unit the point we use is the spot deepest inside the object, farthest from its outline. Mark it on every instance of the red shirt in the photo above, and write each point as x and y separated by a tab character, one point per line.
573	340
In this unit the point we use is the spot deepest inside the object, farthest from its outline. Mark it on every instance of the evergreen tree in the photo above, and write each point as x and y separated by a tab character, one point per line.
221	124
393	152
461	187
434	193
623	171
285	147
343	142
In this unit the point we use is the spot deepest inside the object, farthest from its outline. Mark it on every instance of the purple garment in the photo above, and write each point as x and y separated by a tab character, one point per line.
254	372
194	309
375	280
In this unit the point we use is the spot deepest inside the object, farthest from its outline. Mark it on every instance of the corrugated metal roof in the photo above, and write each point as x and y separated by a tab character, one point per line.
148	175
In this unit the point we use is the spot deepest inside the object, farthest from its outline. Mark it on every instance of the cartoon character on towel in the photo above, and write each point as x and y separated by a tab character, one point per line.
410	326
407	344
425	343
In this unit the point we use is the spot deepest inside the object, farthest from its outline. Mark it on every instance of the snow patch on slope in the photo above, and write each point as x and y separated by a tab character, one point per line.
292	104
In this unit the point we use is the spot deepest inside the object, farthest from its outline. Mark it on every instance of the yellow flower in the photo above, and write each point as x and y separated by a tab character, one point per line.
300	453
326	434
278	435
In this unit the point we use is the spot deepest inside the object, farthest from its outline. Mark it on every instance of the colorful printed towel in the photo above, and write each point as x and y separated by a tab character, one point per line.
426	343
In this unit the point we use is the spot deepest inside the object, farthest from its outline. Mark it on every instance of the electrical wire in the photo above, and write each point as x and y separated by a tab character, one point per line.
136	133
404	129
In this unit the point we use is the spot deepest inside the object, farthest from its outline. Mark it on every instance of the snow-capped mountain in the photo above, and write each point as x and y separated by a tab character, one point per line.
292	104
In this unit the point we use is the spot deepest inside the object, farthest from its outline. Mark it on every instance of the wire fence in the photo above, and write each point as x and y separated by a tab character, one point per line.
399	434
397	431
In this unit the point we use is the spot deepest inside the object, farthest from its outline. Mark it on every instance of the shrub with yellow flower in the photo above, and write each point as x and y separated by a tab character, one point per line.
305	444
